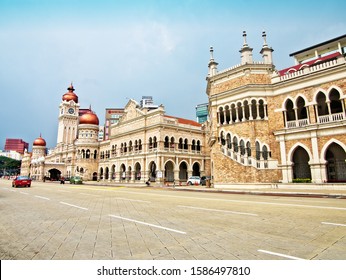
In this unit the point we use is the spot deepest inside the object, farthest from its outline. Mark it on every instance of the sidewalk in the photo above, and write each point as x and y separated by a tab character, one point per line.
293	190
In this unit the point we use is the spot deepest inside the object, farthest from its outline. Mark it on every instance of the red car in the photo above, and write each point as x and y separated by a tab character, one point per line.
21	181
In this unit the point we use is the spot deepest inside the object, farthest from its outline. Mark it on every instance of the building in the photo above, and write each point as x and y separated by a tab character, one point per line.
268	125
112	116
17	145
202	112
148	144
11	154
143	143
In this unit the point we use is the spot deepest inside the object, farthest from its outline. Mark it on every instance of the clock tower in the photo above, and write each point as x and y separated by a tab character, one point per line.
68	117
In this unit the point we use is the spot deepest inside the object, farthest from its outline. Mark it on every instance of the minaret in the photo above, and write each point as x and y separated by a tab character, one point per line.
212	65
246	52
266	52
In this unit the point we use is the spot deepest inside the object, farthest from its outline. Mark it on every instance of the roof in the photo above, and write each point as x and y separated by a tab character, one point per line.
184	121
315	61
320	45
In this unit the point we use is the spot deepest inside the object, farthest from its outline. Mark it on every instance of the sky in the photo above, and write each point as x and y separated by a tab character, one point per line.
115	50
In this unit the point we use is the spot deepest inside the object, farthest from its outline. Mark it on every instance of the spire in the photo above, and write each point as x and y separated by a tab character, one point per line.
264	35
70	88
212	65
246	51
266	51
245	43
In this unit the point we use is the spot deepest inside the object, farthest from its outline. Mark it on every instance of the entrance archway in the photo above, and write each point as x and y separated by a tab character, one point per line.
54	174
152	171
336	165
301	167
138	174
123	172
183	171
169	171
196	169
95	176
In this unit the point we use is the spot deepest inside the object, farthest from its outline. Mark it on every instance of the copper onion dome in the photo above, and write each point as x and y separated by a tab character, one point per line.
70	95
89	118
39	142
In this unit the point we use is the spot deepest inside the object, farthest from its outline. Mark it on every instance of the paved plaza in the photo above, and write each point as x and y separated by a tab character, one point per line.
50	221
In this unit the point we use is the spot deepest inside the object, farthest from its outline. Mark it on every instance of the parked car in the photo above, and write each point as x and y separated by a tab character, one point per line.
76	180
194	180
204	180
21	181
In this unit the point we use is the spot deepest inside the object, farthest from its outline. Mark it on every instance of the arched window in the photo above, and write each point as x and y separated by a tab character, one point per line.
335	102
258	151
265	152
87	155
235	144
186	145
290	115
227	112
229	141
322	108
242	147
172	145
254	109
221	116
301	109
198	146
261	109
166	144
246	110
150	143
180	146
193	145
240	111
222	139
155	142
248	149
233	113
130	146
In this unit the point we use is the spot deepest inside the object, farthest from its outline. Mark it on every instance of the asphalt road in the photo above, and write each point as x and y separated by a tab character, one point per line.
50	221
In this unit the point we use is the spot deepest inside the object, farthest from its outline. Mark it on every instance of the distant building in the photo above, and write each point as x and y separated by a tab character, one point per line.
148	103
112	117
11	154
17	145
202	112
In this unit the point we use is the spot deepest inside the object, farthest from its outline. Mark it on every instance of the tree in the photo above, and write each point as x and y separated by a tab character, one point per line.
9	166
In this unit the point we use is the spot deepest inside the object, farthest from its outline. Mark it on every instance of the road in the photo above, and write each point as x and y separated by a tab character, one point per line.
50	221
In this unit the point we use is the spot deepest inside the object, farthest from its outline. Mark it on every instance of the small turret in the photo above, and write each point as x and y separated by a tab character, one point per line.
266	52
246	52
212	65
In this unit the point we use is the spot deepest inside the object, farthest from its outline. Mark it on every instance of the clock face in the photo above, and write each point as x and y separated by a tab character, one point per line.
71	111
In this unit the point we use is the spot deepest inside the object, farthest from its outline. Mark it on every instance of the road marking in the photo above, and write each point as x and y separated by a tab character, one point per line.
333	224
42	197
217	210
135	200
23	192
280	255
96	195
64	191
147	224
72	205
242	201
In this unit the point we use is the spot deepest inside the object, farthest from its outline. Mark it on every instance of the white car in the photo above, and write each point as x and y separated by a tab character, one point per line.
194	180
